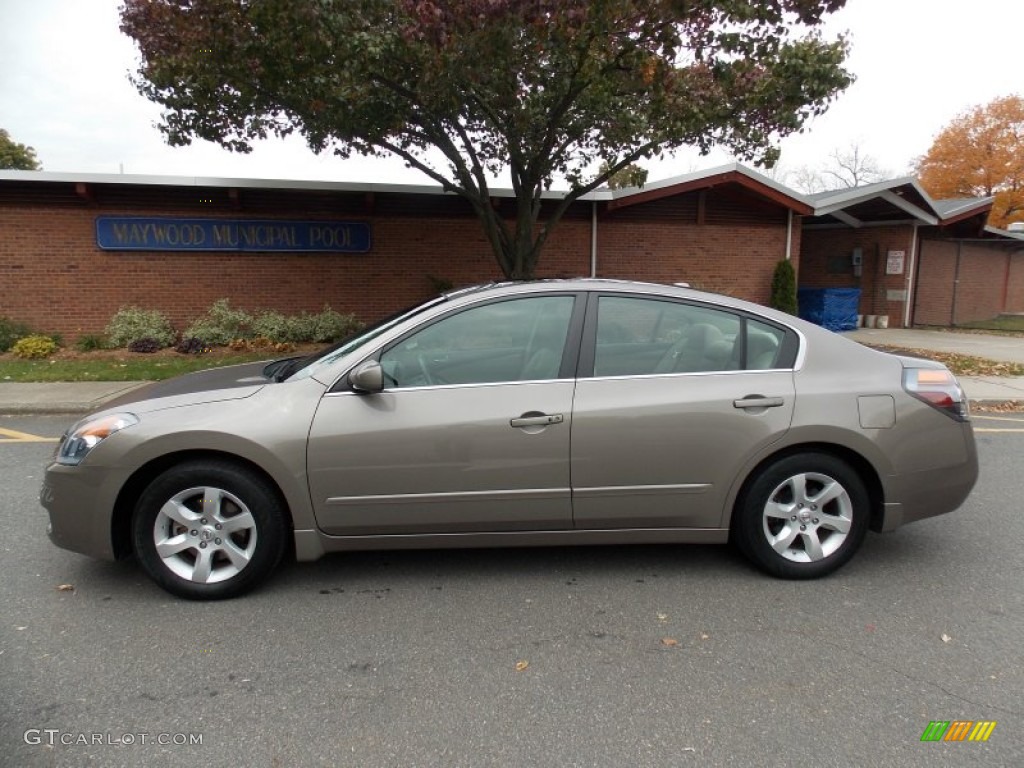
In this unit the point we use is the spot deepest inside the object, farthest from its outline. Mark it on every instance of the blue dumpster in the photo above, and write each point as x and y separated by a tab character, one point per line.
832	308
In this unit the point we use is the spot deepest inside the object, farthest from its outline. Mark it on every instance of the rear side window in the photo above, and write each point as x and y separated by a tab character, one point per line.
646	336
766	346
638	336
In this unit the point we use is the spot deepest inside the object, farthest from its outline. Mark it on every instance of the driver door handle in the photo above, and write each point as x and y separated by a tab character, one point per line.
757	401
537	421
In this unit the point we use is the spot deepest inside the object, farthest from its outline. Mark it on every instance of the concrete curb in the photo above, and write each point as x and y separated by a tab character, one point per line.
71	398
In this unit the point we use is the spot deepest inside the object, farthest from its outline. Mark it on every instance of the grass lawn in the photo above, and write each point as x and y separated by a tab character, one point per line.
1003	324
960	365
125	366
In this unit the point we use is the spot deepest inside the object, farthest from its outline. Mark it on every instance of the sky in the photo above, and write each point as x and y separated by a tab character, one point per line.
64	90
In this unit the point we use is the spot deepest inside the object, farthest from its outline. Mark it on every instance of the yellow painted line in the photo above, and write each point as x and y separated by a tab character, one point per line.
997	418
14	436
993	429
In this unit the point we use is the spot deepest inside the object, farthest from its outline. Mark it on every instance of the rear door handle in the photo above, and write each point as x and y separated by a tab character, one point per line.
542	420
757	401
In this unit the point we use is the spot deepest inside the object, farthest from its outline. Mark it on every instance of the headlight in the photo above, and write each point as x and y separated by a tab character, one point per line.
86	435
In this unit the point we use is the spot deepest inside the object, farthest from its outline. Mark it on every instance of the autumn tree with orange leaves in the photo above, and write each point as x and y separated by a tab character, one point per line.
981	154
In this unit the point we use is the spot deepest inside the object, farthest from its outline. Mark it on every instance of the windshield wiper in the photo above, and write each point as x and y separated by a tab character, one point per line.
279	370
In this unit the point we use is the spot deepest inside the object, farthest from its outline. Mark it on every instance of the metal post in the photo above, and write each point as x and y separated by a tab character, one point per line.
956	282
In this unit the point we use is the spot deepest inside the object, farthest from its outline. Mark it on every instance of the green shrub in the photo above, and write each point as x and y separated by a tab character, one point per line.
783	296
221	324
10	332
132	323
274	326
33	347
90	342
325	326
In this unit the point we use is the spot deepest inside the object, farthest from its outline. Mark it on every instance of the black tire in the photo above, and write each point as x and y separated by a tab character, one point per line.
213	549
791	541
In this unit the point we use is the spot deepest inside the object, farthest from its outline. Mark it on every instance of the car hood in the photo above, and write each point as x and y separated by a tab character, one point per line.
229	383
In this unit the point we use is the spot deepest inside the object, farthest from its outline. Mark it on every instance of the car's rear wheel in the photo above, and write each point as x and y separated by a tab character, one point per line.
803	516
209	530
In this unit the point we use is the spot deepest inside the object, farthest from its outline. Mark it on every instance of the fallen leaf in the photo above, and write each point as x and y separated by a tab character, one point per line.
66	588
946	638
669	641
521	665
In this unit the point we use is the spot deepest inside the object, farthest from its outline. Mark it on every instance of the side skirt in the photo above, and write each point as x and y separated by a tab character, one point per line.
312	544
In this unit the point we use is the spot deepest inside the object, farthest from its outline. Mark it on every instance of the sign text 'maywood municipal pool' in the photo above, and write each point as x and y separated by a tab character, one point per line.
165	233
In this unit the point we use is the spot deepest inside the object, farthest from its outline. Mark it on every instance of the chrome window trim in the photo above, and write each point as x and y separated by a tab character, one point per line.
396	390
685	373
801	350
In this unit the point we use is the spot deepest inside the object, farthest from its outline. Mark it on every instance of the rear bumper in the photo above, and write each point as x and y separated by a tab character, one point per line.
919	495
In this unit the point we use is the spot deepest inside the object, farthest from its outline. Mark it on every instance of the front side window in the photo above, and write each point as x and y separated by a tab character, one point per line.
507	341
637	336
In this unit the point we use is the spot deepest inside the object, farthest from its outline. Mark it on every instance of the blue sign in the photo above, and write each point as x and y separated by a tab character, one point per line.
168	233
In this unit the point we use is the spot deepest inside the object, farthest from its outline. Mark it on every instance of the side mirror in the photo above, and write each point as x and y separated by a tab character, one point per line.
367	377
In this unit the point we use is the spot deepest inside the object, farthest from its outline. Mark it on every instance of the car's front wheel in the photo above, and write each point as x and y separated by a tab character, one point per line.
209	530
802	516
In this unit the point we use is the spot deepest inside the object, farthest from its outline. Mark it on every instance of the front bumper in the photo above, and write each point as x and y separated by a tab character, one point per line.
81	506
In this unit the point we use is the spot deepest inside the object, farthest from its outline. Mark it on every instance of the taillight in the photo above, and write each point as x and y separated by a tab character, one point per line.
939	388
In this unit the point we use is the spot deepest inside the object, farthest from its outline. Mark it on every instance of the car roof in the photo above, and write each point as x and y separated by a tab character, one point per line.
678	290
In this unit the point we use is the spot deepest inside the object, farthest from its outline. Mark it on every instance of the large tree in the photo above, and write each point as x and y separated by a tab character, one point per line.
981	153
15	156
541	90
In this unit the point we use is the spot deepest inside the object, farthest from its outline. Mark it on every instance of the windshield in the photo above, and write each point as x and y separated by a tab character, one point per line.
301	368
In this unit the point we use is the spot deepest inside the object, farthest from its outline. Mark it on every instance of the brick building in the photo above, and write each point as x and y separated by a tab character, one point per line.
916	261
74	248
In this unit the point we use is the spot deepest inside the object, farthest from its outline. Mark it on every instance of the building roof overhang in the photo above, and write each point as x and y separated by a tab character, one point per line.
892	202
734	173
886	202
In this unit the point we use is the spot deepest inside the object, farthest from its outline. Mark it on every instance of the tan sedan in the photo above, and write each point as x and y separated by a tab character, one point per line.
524	414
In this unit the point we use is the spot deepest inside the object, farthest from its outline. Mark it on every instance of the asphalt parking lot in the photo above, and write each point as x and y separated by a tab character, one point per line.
625	656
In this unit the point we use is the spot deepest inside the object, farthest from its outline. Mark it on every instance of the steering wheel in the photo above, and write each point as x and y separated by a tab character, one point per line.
430	378
422	363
